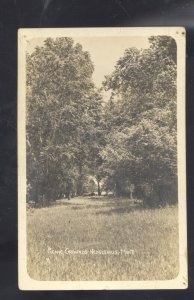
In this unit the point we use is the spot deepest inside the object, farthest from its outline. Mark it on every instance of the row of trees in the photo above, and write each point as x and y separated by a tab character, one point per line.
72	134
63	119
141	121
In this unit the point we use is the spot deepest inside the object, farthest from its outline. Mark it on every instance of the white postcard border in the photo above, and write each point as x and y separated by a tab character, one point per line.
27	283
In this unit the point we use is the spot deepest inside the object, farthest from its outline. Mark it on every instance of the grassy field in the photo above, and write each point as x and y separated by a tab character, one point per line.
144	242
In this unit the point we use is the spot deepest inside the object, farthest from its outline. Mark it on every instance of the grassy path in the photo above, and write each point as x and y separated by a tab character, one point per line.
70	241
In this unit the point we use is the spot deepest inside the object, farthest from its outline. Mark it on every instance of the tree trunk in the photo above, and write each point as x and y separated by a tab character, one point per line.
99	189
79	188
118	191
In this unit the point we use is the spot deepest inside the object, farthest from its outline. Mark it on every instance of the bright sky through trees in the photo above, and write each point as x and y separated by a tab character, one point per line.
104	52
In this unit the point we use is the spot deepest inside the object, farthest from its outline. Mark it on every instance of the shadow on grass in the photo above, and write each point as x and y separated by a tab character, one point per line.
119	210
47	204
77	206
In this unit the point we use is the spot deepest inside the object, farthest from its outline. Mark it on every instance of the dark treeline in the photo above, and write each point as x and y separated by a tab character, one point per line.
76	142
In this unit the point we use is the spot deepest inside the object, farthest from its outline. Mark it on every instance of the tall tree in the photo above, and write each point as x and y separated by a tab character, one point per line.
144	121
60	91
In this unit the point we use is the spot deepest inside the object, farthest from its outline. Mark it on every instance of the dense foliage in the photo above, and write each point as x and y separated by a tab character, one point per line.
128	141
63	110
141	114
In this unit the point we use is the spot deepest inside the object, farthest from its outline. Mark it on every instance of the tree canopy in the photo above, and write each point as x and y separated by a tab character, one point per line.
63	109
142	114
129	141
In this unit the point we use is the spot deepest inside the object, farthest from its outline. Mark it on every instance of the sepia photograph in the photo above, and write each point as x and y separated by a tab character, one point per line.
101	159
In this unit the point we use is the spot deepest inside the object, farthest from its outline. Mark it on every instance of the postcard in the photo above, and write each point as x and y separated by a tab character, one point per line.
101	159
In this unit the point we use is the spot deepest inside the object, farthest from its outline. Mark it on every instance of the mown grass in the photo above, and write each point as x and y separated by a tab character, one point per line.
110	224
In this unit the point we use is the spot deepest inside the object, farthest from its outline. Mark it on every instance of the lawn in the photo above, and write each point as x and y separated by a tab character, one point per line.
102	239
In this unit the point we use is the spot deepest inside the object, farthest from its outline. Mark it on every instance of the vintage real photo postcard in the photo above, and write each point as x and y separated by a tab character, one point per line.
101	159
